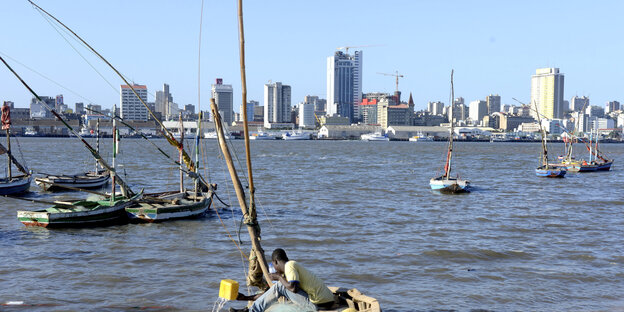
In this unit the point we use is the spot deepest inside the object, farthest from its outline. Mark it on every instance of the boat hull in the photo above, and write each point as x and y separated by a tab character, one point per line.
88	180
17	185
606	166
550	172
59	216
450	185
169	207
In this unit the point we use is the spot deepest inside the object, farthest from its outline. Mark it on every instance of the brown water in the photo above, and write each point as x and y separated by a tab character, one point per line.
359	214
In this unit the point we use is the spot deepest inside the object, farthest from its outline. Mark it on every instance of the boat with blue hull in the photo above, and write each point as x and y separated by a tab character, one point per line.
12	185
545	169
15	185
550	172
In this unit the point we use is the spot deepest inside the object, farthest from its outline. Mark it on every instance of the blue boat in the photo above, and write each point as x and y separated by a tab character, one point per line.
12	185
15	185
545	169
550	172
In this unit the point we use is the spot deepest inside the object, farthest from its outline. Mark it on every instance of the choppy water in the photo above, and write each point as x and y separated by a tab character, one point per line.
359	214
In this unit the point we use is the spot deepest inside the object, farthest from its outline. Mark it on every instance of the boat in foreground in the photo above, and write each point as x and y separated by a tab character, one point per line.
12	185
83	213
169	206
15	185
87	180
449	185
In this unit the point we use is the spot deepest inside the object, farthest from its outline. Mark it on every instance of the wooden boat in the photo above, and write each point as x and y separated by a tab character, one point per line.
83	213
258	265
545	169
445	183
12	185
598	158
87	180
169	206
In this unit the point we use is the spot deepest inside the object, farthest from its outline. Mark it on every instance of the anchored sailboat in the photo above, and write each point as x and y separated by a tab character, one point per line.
446	183
12	185
545	169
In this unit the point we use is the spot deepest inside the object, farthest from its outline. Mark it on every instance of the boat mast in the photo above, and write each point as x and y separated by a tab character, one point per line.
97	142
447	167
180	150
6	125
544	158
197	139
113	172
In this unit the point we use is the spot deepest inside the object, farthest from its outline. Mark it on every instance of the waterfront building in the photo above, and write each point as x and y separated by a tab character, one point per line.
163	102
578	103
460	110
224	98
595	111
393	115
478	109
602	124
493	103
345	132
406	132
79	108
251	106
344	84
38	110
276	103
509	122
368	109
258	112
306	115
335	121
547	92
131	106
612	106
553	126
435	108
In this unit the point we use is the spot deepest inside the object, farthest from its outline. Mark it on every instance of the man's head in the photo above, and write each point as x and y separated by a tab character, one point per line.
279	259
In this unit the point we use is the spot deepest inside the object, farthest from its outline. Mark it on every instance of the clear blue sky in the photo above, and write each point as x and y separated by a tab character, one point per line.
494	47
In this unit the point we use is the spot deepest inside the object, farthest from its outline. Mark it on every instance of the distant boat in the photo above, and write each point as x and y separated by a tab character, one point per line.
30	131
261	135
212	135
545	169
445	183
12	185
296	135
601	161
420	137
376	136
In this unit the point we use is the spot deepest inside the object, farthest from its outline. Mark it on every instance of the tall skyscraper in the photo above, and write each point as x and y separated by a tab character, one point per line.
344	84
224	98
493	103
131	106
578	103
547	92
164	101
276	103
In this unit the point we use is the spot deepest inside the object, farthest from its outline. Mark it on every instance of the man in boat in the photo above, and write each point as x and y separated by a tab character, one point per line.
294	283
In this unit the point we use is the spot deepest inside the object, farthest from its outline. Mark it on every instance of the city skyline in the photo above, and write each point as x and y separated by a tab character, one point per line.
422	41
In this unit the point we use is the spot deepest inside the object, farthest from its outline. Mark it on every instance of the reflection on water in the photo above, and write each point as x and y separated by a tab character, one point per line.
359	214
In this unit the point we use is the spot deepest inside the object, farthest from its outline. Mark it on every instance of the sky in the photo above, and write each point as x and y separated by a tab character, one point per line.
493	46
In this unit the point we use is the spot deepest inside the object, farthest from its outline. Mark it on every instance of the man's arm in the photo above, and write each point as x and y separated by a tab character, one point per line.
291	286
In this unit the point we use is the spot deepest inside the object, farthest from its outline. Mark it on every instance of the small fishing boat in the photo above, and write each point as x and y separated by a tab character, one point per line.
598	158
12	185
420	137
169	206
296	135
376	136
87	180
445	183
83	213
545	169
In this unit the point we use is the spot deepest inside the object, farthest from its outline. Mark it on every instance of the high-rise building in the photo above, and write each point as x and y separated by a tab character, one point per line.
493	103
251	105
344	84
547	93
306	115
224	98
612	106
276	103
595	111
478	109
578	103
164	101
131	106
38	110
435	108
460	110
79	109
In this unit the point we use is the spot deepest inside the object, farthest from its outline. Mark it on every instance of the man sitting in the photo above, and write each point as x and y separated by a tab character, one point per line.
295	283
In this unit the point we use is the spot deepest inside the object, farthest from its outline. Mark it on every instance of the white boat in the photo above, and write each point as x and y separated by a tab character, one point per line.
296	135
377	136
420	137
87	180
261	136
213	135
30	131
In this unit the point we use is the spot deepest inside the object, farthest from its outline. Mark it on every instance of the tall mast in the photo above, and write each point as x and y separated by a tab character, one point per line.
113	172
8	137
197	139
97	142
447	167
181	149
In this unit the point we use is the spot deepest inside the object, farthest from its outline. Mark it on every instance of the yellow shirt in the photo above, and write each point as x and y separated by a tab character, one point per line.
312	285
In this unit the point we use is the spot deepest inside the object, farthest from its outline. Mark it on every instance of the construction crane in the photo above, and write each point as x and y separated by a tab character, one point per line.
397	75
346	48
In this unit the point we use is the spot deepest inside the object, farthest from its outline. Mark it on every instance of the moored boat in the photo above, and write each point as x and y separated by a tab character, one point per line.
169	206
376	136
87	180
12	185
296	135
550	172
15	185
261	135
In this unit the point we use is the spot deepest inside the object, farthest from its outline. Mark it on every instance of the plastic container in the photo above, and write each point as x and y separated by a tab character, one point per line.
228	289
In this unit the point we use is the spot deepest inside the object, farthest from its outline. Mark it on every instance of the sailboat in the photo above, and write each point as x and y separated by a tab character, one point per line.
180	204
601	161
12	185
86	180
352	298
446	183
545	169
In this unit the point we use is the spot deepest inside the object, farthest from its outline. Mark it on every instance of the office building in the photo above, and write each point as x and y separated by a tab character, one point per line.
131	107
344	84
547	93
306	115
578	103
277	105
251	106
477	110
435	108
493	103
224	98
612	106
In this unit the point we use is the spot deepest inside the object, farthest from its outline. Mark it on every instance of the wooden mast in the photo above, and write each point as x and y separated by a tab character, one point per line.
544	158
449	156
8	154
180	150
113	172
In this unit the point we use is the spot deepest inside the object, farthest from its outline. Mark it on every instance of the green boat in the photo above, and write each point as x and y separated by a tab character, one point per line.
83	213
